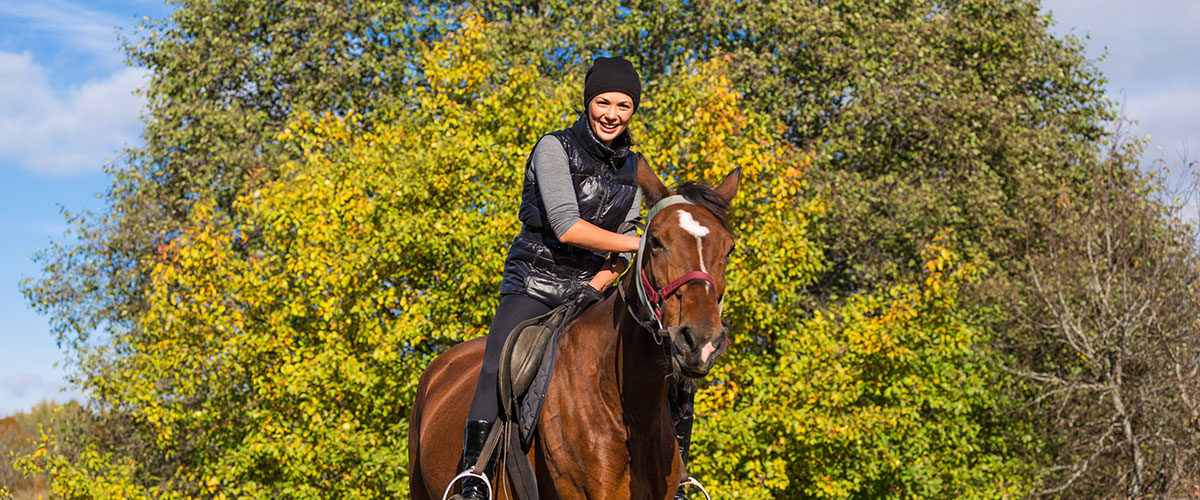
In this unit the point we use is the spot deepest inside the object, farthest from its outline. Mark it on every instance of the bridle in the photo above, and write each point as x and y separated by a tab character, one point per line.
649	298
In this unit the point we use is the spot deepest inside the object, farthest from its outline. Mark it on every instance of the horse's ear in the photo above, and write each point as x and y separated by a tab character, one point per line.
728	187
652	187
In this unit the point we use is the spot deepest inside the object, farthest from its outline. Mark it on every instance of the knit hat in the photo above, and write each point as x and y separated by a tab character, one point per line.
609	74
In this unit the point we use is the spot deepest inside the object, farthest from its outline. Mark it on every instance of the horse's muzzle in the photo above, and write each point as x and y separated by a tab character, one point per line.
696	347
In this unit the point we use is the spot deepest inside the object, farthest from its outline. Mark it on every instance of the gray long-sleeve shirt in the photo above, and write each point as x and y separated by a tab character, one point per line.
558	192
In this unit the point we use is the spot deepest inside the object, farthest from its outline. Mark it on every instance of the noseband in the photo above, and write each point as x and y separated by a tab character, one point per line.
651	299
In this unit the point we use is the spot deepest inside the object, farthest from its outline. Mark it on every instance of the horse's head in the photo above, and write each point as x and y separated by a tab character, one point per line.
685	250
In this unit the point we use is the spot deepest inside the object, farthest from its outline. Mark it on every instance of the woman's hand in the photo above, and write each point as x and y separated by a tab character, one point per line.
608	273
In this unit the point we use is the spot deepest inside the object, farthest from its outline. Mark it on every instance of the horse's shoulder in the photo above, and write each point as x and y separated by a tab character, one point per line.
464	350
593	321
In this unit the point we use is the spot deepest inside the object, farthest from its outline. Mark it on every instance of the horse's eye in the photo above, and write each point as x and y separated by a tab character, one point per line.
655	244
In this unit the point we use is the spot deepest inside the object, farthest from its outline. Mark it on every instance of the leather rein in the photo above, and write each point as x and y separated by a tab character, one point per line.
649	298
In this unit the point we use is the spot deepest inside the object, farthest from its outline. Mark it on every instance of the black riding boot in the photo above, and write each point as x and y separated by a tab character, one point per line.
680	399
473	440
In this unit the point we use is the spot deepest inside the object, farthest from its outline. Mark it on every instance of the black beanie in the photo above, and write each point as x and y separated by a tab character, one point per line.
609	74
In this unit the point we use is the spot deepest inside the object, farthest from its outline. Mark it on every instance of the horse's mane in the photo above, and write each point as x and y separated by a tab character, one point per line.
705	196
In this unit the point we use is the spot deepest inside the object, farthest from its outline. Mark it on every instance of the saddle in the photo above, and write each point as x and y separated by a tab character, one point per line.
526	363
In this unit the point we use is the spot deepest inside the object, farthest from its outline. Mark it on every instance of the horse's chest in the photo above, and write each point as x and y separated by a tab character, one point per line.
596	458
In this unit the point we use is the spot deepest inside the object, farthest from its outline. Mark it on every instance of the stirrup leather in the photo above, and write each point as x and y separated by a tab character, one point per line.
691	481
470	472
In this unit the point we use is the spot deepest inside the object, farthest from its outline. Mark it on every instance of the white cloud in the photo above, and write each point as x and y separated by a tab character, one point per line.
1149	45
1149	42
65	132
16	386
1112	14
21	391
79	27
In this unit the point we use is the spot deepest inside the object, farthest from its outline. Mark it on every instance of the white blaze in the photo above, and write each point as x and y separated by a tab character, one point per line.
699	231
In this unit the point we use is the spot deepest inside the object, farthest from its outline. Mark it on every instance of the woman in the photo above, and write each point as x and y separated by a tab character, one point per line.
580	185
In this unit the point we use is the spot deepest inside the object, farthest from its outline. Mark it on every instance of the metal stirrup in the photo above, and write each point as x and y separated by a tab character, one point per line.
469	473
691	481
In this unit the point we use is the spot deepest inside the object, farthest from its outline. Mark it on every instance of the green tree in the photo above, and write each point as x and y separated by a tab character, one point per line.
925	115
868	130
281	340
225	77
922	115
1107	341
19	437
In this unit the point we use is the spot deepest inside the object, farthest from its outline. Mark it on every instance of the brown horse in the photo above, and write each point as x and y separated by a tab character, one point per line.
605	430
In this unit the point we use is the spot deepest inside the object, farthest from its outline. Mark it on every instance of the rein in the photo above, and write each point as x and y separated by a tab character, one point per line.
648	297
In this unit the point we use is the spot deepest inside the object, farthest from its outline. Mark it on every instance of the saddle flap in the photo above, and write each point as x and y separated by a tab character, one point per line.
522	354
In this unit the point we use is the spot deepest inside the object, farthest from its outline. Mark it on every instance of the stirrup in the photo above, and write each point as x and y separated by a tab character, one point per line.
469	473
691	481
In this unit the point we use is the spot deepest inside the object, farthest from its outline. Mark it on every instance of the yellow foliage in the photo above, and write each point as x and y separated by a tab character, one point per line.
281	344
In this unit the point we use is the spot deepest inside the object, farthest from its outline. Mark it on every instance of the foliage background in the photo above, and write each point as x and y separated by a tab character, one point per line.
326	195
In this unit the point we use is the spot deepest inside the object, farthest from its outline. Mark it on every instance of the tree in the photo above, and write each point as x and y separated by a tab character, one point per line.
281	341
18	438
225	78
926	115
881	396
1109	339
878	128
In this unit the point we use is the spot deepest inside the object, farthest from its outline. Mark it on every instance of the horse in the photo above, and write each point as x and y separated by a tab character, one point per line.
605	431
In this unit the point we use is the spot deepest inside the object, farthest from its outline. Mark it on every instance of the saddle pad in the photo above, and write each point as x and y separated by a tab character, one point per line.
531	402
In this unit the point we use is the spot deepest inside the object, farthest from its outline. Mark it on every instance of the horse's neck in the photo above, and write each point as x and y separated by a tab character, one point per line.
637	363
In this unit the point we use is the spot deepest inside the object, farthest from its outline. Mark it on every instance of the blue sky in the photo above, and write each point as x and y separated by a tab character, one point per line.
66	107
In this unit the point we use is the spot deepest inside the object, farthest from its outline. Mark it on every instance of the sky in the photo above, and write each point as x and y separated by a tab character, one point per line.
67	107
1151	52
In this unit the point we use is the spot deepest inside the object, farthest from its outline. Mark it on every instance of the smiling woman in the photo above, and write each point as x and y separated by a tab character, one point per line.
579	187
609	115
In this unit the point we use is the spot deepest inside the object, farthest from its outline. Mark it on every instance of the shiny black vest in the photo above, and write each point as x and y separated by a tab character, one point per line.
605	182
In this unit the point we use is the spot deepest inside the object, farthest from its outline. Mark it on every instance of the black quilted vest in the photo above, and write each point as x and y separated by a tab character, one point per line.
605	181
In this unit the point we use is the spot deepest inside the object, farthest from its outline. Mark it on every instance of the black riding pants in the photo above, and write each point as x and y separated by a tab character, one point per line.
513	309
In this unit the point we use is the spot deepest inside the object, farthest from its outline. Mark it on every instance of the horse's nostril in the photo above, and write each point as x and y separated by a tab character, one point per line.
686	332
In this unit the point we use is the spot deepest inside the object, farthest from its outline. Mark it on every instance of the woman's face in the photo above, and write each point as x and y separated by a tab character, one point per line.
609	115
